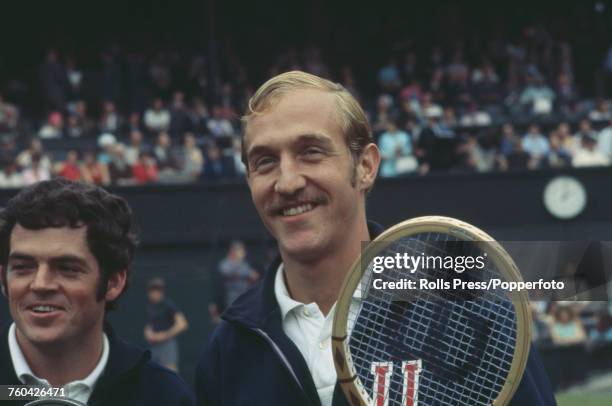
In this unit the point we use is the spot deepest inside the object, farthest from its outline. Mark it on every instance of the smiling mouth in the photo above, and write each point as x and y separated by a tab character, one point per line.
297	210
44	308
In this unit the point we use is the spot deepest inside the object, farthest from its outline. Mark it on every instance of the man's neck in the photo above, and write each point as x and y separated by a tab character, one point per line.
320	280
63	363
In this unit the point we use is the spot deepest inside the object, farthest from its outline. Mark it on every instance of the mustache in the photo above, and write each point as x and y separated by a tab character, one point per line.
280	203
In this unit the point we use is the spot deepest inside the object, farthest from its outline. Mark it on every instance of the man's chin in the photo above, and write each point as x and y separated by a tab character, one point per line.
47	336
302	249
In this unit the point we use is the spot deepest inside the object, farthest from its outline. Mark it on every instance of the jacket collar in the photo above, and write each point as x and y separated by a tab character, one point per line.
123	358
258	310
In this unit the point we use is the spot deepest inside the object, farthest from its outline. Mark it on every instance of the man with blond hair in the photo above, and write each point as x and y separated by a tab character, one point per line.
310	161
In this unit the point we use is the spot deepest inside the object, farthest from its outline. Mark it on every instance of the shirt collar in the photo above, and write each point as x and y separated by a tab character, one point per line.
25	374
285	302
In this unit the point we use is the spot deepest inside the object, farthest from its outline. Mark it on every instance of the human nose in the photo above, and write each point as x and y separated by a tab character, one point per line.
290	179
44	279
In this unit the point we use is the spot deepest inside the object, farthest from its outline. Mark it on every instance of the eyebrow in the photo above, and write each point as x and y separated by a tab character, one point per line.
301	139
18	256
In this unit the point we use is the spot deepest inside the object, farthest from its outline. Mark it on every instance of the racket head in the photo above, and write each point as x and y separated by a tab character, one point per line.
351	382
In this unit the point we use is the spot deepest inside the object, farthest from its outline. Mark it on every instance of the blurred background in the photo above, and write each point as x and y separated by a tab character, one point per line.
476	108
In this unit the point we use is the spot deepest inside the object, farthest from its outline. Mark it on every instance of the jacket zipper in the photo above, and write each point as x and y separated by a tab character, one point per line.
283	359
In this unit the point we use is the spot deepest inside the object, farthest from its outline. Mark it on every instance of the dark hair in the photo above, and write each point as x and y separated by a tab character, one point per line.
63	203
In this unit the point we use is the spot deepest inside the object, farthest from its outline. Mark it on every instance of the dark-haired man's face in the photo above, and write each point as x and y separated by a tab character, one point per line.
52	280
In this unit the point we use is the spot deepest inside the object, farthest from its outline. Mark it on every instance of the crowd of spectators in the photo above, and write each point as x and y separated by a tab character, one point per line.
143	118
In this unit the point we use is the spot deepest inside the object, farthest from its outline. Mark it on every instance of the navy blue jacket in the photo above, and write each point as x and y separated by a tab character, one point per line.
249	360
130	378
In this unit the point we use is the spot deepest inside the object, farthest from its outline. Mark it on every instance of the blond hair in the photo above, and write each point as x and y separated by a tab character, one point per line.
352	119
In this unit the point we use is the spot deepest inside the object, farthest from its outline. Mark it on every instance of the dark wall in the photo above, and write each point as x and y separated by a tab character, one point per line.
185	231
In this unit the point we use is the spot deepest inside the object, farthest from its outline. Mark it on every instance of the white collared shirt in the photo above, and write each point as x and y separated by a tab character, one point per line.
310	331
79	390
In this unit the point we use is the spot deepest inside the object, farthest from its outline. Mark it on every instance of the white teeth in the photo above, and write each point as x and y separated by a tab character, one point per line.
294	211
44	309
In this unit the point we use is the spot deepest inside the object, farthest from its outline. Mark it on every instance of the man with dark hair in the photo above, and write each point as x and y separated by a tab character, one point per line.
65	255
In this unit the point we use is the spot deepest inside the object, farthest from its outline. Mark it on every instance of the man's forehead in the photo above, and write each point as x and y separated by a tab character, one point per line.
51	239
305	108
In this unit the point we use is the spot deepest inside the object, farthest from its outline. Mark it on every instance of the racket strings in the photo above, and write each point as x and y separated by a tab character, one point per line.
466	345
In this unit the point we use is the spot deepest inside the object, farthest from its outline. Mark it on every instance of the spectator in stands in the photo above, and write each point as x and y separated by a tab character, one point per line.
558	156
602	112
106	142
396	152
9	116
8	151
134	148
70	168
134	123
474	157
192	160
36	172
537	97
449	118
216	166
199	116
603	327
84	121
508	138
10	177
588	154
119	170
35	148
486	84
604	141
110	121
429	108
385	112
73	127
435	146
145	169
585	129
157	118
93	171
535	144
566	93
412	92
234	276
568	141
566	328
389	76
53	128
475	117
180	120
517	159
164	153
219	126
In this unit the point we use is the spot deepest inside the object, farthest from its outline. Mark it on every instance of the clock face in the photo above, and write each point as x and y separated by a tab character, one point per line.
565	197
